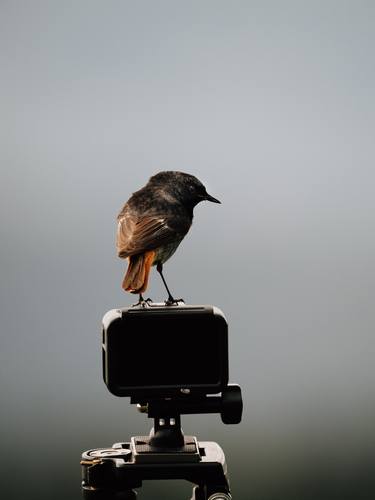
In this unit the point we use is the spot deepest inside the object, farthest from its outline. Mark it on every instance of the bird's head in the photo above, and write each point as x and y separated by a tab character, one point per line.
185	188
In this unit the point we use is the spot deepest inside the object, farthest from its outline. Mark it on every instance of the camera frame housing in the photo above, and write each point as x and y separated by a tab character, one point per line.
117	362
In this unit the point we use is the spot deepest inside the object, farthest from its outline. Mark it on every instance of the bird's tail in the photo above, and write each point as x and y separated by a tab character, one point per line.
136	277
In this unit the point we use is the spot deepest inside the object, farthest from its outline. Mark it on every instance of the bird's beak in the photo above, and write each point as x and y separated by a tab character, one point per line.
211	198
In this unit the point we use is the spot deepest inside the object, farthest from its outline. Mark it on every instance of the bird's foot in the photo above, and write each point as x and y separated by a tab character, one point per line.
143	302
172	301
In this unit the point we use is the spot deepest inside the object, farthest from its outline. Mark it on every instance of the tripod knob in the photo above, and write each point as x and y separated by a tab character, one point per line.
231	405
201	493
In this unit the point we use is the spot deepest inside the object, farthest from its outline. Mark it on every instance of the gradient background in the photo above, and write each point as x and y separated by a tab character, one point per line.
271	105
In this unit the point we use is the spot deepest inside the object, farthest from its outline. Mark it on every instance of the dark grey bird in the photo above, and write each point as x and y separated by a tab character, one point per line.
153	223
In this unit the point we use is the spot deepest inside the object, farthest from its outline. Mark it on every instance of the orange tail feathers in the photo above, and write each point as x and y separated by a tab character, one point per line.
136	277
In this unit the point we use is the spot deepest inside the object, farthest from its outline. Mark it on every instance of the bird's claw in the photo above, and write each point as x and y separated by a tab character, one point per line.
171	301
143	302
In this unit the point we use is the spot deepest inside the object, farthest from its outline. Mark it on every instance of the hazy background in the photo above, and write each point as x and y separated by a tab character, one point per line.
271	105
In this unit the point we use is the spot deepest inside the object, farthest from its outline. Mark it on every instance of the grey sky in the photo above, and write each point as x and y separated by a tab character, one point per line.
271	105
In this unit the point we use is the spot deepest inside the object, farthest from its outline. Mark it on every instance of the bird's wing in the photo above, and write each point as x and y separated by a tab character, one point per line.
136	235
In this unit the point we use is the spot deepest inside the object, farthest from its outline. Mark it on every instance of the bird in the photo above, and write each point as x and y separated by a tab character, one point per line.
152	224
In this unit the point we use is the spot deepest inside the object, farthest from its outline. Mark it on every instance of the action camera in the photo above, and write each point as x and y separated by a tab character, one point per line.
158	351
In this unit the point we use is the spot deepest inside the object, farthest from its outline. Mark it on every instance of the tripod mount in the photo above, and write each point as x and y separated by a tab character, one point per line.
114	473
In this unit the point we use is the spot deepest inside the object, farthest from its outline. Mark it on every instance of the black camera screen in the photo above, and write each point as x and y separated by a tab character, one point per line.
185	350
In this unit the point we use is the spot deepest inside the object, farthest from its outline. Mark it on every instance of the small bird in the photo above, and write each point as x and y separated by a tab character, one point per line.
153	223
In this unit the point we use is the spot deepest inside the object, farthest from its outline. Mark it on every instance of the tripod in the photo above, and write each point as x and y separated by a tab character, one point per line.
114	473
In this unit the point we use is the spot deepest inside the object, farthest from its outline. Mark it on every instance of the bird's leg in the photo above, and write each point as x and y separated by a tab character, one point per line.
159	268
170	300
141	301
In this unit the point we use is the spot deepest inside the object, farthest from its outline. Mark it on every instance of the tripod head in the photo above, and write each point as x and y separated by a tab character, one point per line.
166	412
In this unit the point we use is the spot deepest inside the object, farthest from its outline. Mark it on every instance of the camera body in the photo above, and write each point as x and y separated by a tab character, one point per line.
157	351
